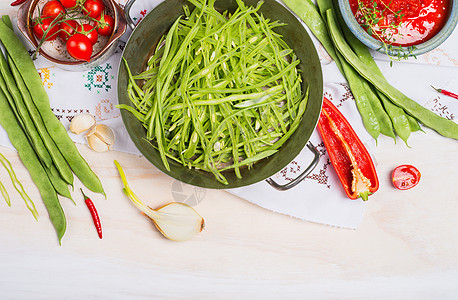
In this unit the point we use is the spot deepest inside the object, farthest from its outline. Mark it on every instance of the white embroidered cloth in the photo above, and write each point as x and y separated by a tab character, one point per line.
320	197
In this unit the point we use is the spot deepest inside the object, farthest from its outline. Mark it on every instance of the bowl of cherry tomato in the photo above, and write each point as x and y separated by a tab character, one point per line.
75	35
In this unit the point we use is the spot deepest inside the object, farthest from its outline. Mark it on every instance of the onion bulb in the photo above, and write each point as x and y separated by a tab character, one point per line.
176	221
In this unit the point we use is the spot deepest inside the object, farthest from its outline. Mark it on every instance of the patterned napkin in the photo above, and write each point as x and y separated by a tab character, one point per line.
319	198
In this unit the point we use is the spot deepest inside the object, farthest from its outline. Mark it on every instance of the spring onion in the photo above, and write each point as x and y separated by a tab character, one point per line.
176	221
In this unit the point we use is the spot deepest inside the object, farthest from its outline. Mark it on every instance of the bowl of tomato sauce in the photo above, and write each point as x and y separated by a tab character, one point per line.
400	28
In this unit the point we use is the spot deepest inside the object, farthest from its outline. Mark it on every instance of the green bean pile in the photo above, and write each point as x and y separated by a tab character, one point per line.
384	109
222	92
41	140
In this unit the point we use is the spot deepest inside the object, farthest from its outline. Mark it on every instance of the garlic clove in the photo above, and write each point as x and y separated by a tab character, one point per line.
82	122
100	138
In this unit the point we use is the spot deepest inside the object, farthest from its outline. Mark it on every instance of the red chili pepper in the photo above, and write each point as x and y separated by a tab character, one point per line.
446	93
349	157
95	216
17	2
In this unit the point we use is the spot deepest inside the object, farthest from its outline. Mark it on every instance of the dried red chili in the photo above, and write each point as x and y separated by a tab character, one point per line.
350	159
17	2
95	216
446	93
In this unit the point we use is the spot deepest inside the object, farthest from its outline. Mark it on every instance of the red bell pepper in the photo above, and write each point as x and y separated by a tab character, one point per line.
349	157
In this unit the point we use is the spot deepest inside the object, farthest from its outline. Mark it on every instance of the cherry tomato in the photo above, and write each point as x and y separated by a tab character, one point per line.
41	26
67	29
405	177
79	47
105	24
52	10
93	8
89	31
68	3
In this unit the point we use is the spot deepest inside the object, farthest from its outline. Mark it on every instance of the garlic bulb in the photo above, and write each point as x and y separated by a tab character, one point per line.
100	138
81	123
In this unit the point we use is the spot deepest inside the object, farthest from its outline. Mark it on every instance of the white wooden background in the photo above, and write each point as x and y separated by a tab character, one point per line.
405	248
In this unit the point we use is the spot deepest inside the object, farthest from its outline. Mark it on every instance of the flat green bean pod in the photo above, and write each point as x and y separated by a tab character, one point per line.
443	126
20	57
33	165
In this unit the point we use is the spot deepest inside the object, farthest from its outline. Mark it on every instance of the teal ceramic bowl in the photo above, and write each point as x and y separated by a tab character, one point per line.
422	48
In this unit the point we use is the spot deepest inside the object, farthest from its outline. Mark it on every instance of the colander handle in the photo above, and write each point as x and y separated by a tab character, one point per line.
301	177
127	9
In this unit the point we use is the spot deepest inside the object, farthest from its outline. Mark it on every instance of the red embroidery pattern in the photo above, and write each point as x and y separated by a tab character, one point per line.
345	97
143	14
441	109
321	177
104	110
294	169
69	114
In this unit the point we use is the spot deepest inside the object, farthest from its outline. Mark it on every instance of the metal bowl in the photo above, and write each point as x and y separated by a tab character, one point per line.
419	49
145	37
55	51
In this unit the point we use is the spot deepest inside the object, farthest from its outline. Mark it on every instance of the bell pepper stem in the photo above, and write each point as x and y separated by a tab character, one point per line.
365	195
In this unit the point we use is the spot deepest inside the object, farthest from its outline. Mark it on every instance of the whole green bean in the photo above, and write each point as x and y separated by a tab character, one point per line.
445	127
10	99
23	113
57	131
308	12
60	185
398	117
361	50
386	126
33	165
6	19
28	106
414	126
362	101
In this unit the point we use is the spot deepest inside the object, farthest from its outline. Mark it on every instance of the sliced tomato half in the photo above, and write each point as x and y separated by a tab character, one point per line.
405	177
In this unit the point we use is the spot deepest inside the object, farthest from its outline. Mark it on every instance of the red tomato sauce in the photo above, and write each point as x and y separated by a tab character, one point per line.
401	22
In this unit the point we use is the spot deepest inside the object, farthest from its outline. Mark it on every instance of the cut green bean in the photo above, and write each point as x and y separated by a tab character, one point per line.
18	186
5	194
224	89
